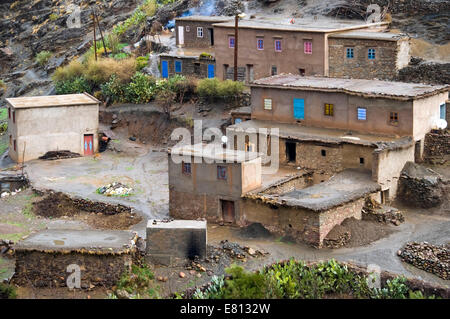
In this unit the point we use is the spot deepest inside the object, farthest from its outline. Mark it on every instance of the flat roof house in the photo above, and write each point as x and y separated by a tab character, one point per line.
330	124
39	124
309	47
209	185
195	42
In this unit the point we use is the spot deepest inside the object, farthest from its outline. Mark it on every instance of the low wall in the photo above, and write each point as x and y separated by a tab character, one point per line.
47	269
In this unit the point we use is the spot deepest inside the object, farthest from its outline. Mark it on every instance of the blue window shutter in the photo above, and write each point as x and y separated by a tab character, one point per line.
443	111
211	73
299	109
165	69
362	113
178	66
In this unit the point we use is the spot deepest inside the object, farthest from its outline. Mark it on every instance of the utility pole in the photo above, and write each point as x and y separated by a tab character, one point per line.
95	38
236	34
101	33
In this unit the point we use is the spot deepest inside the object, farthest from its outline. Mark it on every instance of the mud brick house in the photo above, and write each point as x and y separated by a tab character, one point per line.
210	185
195	54
199	64
37	125
268	48
197	31
329	125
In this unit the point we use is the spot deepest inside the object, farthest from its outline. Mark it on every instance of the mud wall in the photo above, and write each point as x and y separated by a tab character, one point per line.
43	269
190	66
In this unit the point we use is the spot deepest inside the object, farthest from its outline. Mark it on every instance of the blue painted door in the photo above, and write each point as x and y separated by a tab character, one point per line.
299	109
211	71
165	69
442	111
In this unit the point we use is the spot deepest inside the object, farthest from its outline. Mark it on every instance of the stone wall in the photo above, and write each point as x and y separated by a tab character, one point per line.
437	146
47	269
190	37
384	66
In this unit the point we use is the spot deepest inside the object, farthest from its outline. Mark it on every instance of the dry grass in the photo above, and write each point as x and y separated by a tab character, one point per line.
72	70
101	70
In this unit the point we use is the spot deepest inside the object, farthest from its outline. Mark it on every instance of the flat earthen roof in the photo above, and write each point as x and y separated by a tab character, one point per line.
306	25
52	101
361	34
367	88
205	18
214	152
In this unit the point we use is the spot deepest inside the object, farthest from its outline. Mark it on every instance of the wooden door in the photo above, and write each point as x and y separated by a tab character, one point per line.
89	144
228	214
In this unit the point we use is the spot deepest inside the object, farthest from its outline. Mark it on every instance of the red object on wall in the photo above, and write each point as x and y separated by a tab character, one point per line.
89	145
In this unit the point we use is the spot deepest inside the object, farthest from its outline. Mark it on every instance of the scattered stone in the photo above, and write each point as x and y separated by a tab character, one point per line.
434	259
122	294
132	138
182	274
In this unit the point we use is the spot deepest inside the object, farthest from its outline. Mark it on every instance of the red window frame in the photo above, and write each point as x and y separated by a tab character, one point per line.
278	46
14	116
260	44
307	45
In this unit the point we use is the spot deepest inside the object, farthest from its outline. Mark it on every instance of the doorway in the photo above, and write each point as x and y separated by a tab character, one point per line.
88	144
291	152
228	214
180	35
384	196
211	36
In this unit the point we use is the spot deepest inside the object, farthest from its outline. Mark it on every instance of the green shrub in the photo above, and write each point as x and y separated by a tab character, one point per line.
138	281
72	86
244	285
3	127
230	89
43	57
7	291
208	88
141	62
114	89
213	291
112	42
393	289
53	17
141	89
214	89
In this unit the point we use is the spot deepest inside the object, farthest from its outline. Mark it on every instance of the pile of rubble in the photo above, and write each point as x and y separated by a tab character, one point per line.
382	213
236	251
55	155
431	258
338	237
115	189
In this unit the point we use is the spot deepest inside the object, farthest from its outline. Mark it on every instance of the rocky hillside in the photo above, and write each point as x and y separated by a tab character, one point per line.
30	28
